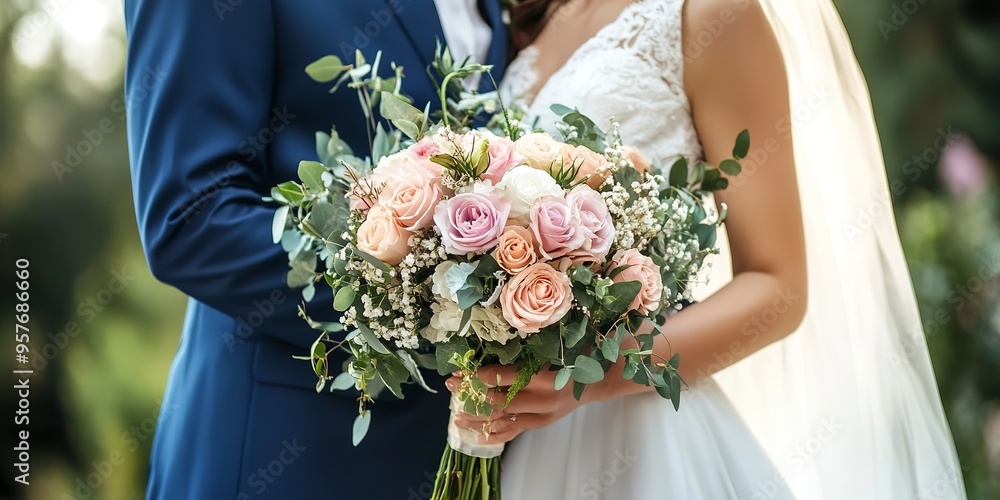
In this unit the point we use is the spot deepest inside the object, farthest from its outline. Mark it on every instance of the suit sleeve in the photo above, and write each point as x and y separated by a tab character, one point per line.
199	81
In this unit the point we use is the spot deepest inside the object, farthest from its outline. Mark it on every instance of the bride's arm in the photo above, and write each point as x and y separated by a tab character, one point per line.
735	81
738	82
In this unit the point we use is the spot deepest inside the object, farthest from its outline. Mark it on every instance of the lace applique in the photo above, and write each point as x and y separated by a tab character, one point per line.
632	70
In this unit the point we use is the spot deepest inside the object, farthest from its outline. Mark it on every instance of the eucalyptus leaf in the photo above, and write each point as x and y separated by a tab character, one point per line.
413	368
278	223
371	339
326	220
679	172
344	298
574	332
311	174
289	191
393	373
731	167
371	260
587	370
609	348
325	69
742	146
361	424
507	353
562	378
343	382
444	352
623	292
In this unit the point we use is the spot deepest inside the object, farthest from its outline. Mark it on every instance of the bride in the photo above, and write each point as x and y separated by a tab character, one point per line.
827	390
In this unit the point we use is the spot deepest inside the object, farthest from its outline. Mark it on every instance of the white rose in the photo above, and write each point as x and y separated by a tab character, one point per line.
524	185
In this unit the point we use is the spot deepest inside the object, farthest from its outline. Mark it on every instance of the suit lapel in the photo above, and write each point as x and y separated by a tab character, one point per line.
421	26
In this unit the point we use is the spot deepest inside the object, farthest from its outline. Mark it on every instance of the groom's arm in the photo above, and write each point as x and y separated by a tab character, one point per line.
198	83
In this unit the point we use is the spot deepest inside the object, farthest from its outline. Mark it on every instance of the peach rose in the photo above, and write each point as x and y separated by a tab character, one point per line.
536	297
361	193
405	166
383	237
413	200
640	162
540	150
589	162
516	249
642	269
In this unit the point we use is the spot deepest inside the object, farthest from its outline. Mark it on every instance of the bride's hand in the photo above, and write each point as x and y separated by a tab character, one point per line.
535	406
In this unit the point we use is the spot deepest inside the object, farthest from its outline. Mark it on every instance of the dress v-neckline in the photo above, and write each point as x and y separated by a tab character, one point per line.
534	89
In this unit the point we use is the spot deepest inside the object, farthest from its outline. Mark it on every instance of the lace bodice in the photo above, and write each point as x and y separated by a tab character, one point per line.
631	70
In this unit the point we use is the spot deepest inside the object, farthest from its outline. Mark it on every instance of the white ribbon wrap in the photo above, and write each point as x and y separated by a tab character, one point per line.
466	440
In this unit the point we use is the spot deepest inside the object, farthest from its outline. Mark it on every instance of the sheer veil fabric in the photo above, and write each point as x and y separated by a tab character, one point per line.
847	406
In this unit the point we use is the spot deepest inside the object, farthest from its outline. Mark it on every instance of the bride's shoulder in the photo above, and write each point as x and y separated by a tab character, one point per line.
717	32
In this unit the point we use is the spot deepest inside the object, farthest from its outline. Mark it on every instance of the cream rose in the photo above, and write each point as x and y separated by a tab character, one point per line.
383	237
523	185
516	249
540	150
536	297
642	269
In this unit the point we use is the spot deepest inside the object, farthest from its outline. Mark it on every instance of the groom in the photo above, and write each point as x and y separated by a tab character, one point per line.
233	115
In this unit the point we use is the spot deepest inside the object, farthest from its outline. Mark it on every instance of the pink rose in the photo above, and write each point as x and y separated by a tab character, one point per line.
413	200
503	157
382	236
471	222
424	148
516	249
555	224
642	269
536	297
595	221
640	162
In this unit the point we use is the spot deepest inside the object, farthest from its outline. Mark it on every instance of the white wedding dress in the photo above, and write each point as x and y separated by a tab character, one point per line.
636	447
847	406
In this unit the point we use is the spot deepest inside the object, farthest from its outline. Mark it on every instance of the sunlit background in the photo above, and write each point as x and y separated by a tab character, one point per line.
104	331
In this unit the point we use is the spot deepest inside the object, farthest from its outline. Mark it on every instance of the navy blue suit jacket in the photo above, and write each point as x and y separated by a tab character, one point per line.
220	110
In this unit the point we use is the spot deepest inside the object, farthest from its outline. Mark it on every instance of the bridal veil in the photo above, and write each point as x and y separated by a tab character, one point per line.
847	406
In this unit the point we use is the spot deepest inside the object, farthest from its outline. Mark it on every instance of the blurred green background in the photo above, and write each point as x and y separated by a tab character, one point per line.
104	331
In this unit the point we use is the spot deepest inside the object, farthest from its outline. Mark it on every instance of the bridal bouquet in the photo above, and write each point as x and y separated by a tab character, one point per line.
451	247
